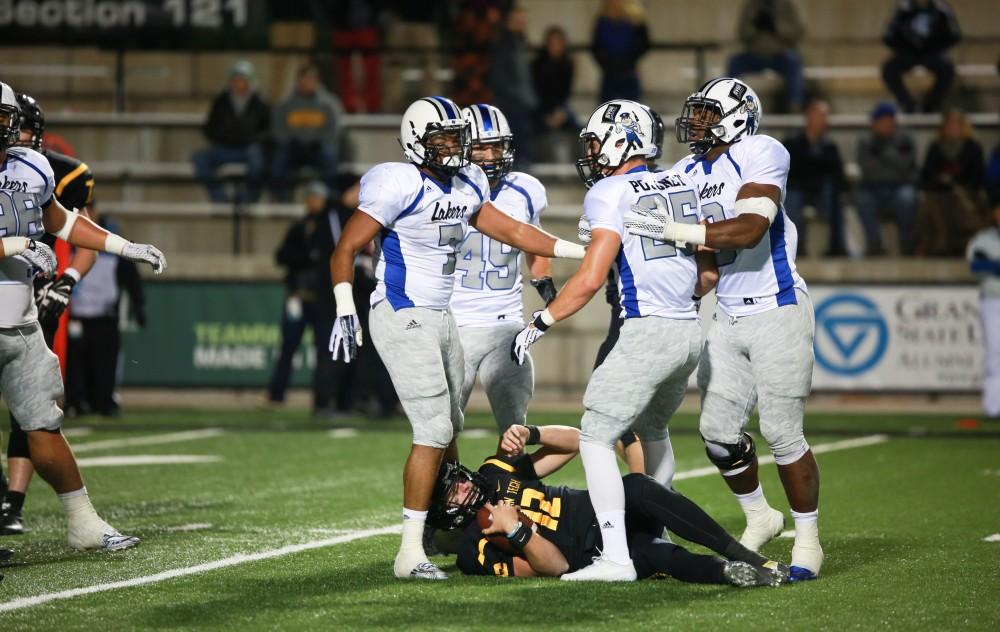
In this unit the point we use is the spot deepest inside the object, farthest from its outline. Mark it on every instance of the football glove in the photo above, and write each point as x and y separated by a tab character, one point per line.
52	299
546	288
41	257
648	222
346	336
525	338
583	231
146	253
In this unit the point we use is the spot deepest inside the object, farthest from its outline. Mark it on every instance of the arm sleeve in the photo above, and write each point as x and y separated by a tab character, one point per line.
765	161
386	193
600	207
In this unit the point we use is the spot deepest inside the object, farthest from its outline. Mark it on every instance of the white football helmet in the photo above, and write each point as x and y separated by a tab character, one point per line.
617	130
432	117
722	111
489	126
10	117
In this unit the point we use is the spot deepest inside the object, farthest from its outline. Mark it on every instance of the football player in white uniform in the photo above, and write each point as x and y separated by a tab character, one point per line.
760	349
643	379
420	211
30	380
487	302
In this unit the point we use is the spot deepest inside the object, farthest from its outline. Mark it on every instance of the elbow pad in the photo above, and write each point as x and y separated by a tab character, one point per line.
765	207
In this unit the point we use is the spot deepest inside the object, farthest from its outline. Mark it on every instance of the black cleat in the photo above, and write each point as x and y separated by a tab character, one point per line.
11	522
747	575
5	554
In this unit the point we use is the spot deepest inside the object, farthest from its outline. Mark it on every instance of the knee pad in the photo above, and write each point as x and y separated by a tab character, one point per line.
731	458
436	432
17	445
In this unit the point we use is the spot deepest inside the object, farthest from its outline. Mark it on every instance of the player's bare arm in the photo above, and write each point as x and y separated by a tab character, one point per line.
83	258
82	232
523	236
541	557
347	336
708	273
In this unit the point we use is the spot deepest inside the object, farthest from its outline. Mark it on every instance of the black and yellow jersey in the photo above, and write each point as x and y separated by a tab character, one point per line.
563	516
74	184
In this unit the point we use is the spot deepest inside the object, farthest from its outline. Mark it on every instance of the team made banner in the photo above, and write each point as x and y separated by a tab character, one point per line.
902	338
211	334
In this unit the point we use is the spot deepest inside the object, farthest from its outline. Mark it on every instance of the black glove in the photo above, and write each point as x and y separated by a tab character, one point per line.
546	289
52	299
697	302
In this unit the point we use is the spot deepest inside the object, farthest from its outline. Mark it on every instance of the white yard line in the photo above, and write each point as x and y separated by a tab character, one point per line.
159	439
27	602
846	444
344	433
147	459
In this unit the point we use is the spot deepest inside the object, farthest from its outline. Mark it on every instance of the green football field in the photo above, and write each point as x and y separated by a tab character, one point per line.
266	520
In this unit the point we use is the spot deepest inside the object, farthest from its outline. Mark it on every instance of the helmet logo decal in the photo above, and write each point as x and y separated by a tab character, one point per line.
737	91
632	130
610	112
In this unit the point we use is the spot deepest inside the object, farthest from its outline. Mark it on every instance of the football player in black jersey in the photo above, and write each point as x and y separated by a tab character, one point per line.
74	188
566	535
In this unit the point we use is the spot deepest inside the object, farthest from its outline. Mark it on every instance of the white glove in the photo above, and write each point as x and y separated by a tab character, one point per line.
649	222
41	257
583	231
147	253
527	337
346	336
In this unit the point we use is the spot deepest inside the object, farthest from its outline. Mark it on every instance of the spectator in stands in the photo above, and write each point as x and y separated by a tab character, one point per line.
952	179
920	33
477	25
888	161
511	85
552	73
770	31
816	178
94	332
993	176
305	254
306	132
620	40
983	255
236	129
414	27
355	29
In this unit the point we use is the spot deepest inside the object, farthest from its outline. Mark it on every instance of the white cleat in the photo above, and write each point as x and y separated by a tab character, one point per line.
763	529
417	569
807	558
104	537
603	570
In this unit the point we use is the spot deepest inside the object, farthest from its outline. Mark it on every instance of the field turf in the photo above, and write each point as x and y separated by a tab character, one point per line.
904	519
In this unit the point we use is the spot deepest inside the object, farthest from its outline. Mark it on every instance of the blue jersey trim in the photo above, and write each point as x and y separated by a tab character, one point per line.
446	104
467	180
630	296
779	257
444	186
637	169
395	271
33	167
413	205
527	198
739	172
484	113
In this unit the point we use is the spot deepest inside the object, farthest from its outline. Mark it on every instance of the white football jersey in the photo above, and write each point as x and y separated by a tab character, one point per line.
488	286
757	279
26	187
654	277
424	222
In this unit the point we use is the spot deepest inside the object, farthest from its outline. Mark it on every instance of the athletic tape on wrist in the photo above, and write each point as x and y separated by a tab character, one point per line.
343	294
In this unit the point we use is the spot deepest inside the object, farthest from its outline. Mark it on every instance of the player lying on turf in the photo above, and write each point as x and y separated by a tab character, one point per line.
516	525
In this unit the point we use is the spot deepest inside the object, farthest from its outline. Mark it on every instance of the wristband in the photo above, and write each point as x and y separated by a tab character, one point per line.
115	244
568	250
13	246
544	320
72	273
519	537
343	294
534	435
687	233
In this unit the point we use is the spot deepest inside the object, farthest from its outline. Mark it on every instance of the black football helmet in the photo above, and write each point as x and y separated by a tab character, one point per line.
444	513
33	118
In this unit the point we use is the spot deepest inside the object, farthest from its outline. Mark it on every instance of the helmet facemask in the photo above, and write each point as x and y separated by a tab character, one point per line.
594	164
499	165
446	148
698	125
10	126
458	495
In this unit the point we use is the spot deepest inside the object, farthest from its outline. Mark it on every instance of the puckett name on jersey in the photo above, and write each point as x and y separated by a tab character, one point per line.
655	278
752	280
423	221
488	284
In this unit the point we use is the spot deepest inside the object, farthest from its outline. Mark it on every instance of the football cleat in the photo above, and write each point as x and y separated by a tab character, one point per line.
762	529
5	554
806	562
101	537
603	570
423	570
747	575
11	522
